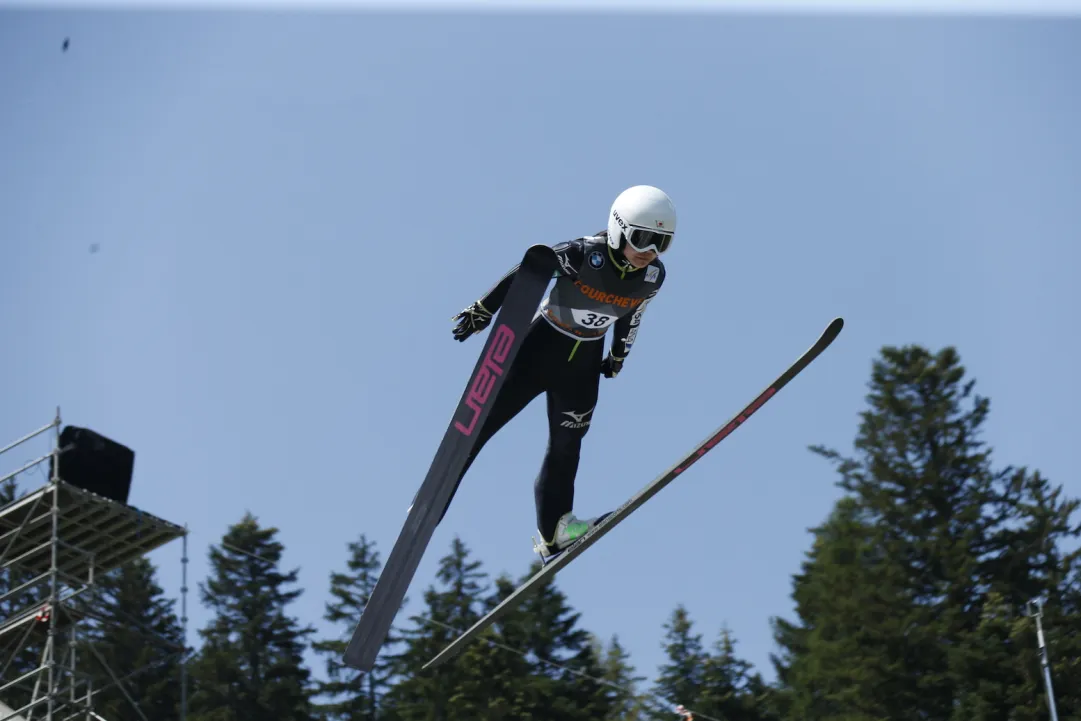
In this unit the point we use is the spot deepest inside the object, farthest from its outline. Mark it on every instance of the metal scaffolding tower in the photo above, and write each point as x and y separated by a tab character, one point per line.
55	543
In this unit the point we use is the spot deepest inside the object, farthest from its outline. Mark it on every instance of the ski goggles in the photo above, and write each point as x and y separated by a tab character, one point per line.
644	240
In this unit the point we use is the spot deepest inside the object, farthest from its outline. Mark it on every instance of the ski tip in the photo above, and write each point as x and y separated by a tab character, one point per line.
541	256
834	328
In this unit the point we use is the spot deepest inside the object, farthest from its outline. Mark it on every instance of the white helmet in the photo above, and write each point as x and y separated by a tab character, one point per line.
644	217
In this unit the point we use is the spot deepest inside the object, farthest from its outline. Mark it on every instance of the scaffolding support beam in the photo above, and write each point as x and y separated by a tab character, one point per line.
56	541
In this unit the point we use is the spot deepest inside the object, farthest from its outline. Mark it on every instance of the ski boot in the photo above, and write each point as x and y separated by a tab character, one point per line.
568	531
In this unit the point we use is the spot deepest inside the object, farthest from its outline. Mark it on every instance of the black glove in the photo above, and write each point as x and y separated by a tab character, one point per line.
611	366
472	320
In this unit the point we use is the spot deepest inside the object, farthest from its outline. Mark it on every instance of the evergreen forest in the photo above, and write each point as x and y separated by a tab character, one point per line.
912	603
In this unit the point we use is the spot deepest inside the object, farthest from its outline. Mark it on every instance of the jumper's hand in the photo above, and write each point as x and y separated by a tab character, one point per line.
472	320
611	366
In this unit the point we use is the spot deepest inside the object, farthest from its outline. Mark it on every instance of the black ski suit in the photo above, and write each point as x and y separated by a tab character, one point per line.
562	356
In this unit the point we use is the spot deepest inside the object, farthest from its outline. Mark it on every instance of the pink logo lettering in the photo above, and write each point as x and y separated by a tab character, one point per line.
490	369
729	427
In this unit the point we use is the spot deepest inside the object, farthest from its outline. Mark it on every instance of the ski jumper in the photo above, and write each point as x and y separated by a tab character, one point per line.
561	356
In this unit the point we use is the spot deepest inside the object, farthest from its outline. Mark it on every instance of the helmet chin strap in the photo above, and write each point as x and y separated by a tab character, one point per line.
621	263
616	256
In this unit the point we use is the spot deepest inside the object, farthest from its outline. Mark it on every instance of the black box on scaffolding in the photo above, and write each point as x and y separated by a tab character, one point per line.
95	463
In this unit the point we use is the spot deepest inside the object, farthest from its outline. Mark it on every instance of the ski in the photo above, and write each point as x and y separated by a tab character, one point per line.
505	335
610	520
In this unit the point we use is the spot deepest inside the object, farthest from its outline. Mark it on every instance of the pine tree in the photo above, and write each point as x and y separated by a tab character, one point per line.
534	663
566	680
999	661
251	666
139	638
988	660
926	562
843	660
498	678
731	690
353	696
681	678
1062	628
590	696
438	696
626	701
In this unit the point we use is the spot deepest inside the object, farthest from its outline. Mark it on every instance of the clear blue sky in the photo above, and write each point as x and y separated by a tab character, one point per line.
289	208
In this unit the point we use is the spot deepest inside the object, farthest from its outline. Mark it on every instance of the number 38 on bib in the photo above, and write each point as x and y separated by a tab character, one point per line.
592	319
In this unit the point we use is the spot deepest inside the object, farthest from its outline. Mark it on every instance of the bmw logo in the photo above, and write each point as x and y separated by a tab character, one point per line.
596	260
